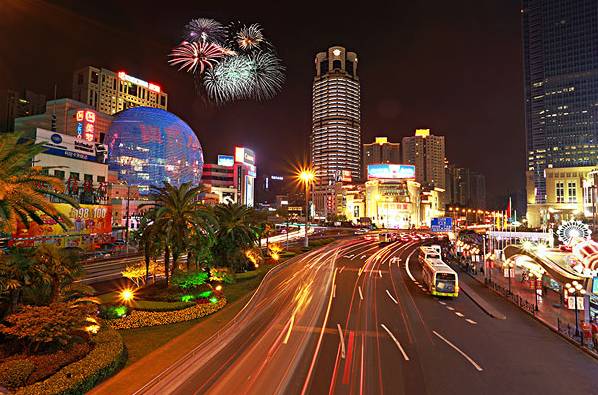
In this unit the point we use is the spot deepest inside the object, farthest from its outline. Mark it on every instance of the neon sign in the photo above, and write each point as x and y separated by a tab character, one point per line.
151	86
86	120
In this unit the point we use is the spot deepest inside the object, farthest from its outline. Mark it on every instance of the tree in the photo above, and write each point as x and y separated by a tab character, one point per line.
24	189
17	272
236	232
201	238
151	242
174	212
60	267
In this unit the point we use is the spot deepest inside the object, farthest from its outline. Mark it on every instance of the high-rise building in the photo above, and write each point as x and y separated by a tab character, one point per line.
15	104
336	132
381	151
560	43
465	187
111	92
426	152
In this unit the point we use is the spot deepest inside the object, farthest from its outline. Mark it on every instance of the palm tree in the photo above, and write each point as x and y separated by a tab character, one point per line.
24	189
175	210
201	238
60	267
150	240
17	272
236	232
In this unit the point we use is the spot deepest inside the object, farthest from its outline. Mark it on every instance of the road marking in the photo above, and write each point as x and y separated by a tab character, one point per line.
450	308
472	322
340	333
360	294
348	256
442	303
340	271
380	273
393	299
478	367
363	256
334	291
396	342
459	314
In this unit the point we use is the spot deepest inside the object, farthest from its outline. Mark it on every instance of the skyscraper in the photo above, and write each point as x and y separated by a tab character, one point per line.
336	134
560	43
381	151
15	104
426	152
111	92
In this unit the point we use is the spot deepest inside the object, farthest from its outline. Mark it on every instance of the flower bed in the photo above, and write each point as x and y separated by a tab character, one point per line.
140	319
107	357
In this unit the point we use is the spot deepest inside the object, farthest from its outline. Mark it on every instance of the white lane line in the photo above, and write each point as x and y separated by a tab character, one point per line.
363	256
478	367
442	303
360	294
396	342
340	333
348	256
472	322
407	266
450	308
459	314
380	273
340	271
334	291
389	295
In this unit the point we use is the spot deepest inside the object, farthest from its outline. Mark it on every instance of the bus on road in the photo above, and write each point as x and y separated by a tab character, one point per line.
440	279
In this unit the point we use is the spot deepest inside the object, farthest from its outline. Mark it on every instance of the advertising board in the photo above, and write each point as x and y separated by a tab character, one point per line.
390	171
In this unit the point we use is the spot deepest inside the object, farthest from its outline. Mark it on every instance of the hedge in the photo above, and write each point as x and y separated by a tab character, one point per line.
15	373
108	356
140	319
154	305
247	275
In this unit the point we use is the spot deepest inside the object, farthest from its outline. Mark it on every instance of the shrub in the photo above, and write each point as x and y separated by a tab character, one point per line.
14	373
140	319
107	357
221	275
44	325
47	365
189	280
151	305
247	275
112	312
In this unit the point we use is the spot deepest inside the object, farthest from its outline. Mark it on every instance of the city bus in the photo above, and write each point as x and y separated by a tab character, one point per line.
440	279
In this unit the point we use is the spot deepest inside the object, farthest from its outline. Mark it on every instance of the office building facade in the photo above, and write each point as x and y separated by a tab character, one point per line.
426	152
560	43
14	104
380	151
110	92
335	141
465	187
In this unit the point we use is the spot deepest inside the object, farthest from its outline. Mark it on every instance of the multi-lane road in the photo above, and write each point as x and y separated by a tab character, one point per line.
355	318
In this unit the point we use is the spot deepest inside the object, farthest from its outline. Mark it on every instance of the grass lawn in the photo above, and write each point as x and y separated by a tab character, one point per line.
142	341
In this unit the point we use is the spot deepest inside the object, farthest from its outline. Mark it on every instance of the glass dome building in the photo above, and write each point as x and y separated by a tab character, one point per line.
149	146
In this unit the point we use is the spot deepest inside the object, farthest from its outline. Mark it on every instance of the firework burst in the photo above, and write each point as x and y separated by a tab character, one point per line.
250	37
204	29
194	55
268	75
231	79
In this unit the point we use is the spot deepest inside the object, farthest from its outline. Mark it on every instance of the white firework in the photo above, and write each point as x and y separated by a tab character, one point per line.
204	29
268	75
231	79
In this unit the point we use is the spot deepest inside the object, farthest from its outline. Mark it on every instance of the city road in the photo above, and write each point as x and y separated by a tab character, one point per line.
354	317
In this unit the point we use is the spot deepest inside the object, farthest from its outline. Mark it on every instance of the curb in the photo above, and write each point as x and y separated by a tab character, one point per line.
478	300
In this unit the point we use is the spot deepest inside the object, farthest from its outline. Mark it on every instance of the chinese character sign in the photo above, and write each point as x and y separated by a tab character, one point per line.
86	120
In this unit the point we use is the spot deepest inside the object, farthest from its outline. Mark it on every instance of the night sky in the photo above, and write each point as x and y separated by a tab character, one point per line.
453	67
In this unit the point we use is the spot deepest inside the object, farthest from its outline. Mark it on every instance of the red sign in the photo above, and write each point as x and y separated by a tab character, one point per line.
86	124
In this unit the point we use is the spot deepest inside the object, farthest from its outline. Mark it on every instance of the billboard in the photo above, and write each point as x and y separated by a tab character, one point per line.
443	224
226	160
390	171
69	146
244	155
88	220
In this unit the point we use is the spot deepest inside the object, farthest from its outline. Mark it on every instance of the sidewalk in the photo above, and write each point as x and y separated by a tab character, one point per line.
549	309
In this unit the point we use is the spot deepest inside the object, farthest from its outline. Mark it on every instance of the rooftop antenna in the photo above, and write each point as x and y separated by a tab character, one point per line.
53	125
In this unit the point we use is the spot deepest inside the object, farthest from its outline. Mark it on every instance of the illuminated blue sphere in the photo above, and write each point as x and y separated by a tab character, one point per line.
149	146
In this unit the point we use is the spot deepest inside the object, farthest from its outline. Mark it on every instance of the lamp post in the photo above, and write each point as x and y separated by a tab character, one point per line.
575	289
536	277
307	176
509	266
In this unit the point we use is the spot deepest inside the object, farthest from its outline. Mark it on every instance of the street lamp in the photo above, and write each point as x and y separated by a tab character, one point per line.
509	266
575	289
307	176
537	277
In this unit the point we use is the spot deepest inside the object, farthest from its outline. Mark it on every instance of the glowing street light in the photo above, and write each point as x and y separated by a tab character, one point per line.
306	176
127	295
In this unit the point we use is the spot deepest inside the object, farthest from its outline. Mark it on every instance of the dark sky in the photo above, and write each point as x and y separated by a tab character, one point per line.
451	66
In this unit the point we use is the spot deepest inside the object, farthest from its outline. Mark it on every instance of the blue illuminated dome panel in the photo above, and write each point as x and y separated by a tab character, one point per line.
149	146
